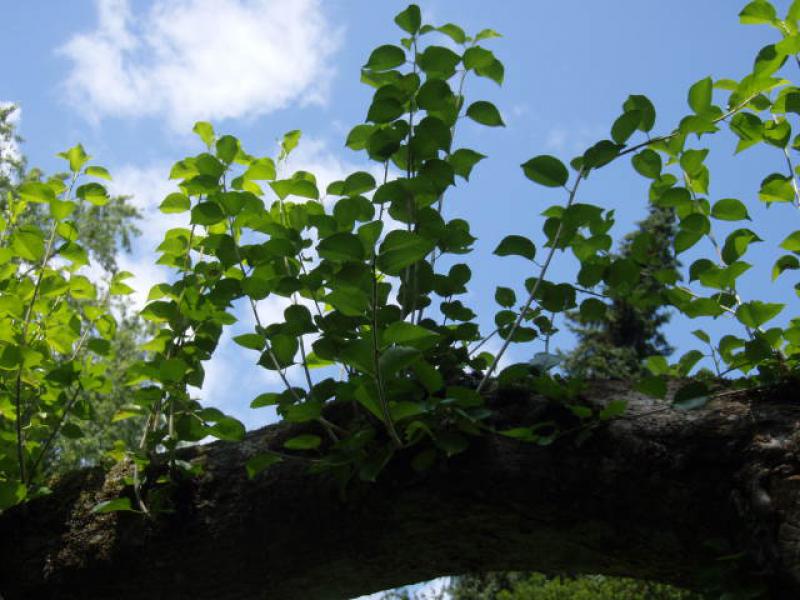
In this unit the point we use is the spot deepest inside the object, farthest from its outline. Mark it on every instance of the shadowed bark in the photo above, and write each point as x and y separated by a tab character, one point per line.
657	494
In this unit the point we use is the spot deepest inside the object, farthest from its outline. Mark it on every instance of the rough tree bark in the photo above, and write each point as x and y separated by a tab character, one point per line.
654	494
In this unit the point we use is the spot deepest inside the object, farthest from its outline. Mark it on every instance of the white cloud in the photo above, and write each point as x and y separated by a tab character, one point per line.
148	186
575	139
189	60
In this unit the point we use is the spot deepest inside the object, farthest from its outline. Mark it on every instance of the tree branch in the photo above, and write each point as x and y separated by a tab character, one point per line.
643	496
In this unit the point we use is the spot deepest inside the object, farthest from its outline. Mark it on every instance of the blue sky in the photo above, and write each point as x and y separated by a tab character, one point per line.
128	78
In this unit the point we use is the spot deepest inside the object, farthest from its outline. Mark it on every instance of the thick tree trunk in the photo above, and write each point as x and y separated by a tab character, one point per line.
658	494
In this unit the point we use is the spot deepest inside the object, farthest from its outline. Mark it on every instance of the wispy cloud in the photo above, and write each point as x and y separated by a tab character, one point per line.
188	60
573	139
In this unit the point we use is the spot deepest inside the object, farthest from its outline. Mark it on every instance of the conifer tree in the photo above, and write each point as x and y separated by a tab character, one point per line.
630	330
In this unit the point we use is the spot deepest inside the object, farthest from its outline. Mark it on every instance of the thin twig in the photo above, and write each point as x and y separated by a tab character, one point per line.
535	289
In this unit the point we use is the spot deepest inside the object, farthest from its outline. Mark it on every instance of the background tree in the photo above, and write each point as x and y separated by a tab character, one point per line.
614	340
104	230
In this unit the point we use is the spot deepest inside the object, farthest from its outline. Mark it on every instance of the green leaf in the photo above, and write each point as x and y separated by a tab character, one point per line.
691	396
284	348
476	57
755	313
205	131
117	287
410	19
341	247
776	188
11	494
657	365
115	505
259	462
613	409
463	160
228	429
623	274
602	153
349	301
253	341
358	183
227	148
494	71
175	203
28	244
485	113
34	191
758	12
736	244
647	163
792	242
625	125
654	386
10	358
505	296
516	245
486	34
430	377
306	441
397	358
700	95
93	193
401	249
546	170
386	57
298	320
265	399
384	110
685	239
434	94
454	32
262	169
784	263
729	209
647	111
99	172
687	362
777	133
172	370
359	136
593	310
748	128
76	156
289	142
438	62
408	334
207	213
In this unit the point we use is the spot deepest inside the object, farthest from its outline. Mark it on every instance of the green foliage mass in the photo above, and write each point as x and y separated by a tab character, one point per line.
535	586
374	276
595	587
